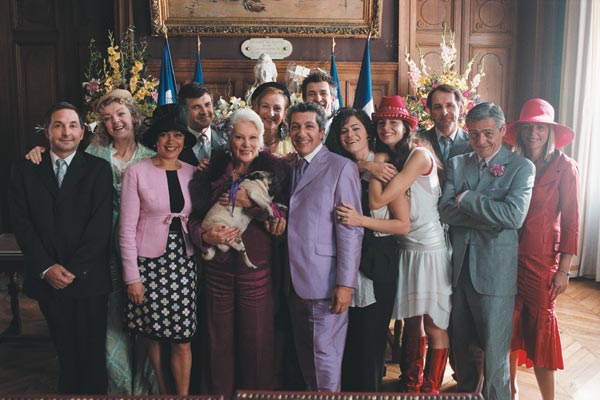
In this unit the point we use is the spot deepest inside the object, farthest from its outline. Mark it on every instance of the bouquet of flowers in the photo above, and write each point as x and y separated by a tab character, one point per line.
422	80
223	110
124	68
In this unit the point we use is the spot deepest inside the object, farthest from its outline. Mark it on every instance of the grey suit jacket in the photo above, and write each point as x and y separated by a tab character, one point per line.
460	145
487	218
218	142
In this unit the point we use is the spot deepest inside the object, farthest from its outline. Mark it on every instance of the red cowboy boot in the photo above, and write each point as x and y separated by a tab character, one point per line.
434	370
411	363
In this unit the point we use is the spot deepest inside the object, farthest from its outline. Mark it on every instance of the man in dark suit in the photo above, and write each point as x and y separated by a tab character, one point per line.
485	201
199	101
320	88
61	212
445	104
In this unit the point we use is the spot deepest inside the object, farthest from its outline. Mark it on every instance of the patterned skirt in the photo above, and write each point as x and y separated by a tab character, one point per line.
169	308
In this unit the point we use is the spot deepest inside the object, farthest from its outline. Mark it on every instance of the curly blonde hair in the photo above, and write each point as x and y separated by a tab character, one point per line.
101	135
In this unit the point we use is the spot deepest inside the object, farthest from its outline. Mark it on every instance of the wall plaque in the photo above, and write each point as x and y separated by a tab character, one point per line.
277	48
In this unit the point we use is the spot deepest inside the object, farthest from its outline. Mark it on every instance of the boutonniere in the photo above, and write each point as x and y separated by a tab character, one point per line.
497	170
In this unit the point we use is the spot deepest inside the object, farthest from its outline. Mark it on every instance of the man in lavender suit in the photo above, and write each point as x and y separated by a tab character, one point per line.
323	254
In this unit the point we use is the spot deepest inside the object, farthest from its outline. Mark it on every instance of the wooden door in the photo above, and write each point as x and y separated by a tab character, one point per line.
44	50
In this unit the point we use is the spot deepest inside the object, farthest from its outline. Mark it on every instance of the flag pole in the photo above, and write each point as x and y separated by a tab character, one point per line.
167	88
334	75
198	74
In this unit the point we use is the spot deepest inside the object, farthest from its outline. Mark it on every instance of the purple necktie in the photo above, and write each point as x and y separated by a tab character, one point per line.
301	166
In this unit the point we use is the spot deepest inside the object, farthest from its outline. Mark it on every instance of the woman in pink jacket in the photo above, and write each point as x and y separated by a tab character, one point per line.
157	255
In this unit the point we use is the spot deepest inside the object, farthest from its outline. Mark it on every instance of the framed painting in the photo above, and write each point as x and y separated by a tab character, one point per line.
267	18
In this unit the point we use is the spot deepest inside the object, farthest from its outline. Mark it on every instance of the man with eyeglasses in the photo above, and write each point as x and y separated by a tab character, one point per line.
485	201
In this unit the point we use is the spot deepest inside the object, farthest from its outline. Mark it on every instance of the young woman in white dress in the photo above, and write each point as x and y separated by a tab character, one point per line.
424	285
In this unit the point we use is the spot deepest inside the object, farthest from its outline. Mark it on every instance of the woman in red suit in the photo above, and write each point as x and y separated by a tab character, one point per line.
548	241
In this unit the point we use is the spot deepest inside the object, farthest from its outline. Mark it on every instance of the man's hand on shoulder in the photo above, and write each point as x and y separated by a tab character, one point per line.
59	277
340	299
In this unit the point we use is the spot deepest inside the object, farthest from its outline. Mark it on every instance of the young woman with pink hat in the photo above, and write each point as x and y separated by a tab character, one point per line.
423	295
548	240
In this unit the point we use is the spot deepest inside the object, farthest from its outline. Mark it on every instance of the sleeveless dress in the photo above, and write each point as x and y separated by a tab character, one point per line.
424	280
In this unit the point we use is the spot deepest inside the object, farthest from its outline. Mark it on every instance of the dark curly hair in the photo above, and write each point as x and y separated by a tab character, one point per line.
402	149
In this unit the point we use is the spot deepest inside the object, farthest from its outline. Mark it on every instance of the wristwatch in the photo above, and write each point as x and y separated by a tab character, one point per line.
567	273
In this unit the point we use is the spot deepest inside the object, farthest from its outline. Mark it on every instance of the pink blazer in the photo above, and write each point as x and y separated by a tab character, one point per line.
145	214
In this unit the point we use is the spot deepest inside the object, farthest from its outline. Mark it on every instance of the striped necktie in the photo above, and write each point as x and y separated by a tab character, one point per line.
61	170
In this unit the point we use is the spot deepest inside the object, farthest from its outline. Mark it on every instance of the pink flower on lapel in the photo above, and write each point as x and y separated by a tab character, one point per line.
497	170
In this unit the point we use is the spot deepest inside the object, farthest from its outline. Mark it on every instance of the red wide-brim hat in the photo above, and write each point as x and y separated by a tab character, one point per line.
539	111
393	107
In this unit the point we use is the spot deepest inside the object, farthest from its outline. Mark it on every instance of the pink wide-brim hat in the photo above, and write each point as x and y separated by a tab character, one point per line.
539	111
393	107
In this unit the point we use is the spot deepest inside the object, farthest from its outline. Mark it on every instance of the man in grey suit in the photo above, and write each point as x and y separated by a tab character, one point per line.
323	253
485	201
199	101
445	104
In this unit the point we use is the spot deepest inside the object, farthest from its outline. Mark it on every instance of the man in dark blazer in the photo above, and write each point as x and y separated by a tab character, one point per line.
485	201
199	101
445	104
61	213
323	253
320	88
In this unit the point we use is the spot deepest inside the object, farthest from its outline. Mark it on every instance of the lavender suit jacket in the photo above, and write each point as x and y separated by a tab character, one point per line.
322	252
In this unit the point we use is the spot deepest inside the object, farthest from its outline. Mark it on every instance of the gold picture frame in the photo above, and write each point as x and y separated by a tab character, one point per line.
267	18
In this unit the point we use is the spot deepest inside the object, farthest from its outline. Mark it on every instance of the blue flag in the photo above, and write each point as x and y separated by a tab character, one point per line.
363	98
334	75
167	88
198	75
